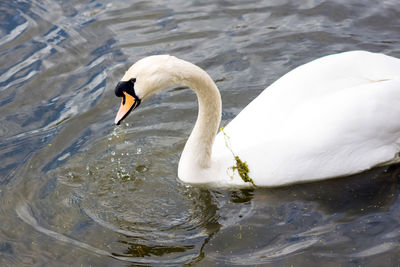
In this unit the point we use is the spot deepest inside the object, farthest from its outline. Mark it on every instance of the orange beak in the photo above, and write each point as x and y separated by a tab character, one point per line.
128	103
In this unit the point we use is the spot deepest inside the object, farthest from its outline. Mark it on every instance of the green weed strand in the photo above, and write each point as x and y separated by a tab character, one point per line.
241	166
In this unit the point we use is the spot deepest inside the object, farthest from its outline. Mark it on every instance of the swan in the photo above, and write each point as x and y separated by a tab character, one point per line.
334	116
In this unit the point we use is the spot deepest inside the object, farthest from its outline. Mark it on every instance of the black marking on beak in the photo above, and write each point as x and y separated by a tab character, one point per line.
127	86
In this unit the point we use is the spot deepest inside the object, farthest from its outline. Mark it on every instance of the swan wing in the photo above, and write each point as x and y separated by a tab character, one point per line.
334	116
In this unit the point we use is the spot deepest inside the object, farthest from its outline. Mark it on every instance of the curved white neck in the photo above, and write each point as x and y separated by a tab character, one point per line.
198	148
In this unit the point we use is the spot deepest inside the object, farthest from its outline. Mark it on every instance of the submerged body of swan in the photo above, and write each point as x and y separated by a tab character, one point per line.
335	116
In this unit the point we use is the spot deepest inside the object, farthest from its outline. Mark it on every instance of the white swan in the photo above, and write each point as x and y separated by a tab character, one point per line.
335	116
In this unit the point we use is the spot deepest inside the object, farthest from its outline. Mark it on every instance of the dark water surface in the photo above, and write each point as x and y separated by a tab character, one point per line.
77	191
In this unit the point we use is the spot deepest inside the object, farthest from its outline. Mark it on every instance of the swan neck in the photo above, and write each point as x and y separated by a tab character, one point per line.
198	149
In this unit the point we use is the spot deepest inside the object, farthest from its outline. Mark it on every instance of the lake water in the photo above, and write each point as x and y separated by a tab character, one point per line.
77	191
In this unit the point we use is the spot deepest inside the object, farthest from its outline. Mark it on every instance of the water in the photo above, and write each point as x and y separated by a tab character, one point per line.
75	190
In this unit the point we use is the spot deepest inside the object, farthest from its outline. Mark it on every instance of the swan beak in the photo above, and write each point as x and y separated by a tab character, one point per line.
128	104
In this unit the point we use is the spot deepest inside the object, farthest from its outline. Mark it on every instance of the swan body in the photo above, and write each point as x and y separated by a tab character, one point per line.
335	116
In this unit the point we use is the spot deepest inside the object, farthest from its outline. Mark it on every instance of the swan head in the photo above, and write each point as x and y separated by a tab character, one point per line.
144	78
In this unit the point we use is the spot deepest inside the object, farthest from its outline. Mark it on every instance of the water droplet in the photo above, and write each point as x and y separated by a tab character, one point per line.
141	168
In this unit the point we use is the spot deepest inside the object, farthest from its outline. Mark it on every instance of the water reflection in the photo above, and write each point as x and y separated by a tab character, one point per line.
315	219
364	193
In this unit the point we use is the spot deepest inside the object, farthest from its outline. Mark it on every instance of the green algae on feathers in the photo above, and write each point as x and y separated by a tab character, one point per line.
241	166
